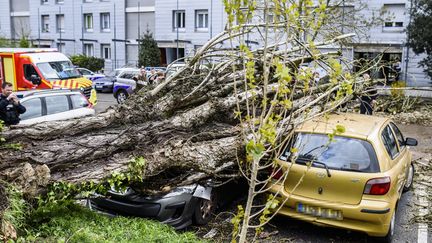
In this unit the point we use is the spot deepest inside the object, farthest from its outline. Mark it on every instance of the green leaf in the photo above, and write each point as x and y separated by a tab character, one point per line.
340	129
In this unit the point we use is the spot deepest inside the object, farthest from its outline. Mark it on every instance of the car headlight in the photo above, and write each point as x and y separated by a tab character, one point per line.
181	190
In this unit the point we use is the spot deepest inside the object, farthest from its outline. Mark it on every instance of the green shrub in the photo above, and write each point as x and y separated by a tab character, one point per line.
4	42
24	42
92	63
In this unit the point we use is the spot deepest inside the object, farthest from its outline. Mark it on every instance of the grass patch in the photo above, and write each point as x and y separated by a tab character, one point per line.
69	222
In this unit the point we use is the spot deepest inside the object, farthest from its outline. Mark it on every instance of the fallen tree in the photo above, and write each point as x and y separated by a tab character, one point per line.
172	128
225	105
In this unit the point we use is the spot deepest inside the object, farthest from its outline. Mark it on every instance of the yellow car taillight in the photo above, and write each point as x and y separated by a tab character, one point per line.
377	186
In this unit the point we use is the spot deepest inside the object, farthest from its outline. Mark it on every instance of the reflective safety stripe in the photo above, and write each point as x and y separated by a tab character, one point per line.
93	97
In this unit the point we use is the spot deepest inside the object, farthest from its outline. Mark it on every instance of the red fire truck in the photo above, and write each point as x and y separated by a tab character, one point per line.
35	68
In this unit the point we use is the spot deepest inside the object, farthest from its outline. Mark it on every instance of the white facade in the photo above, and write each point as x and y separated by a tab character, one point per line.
389	38
14	19
92	27
202	20
179	27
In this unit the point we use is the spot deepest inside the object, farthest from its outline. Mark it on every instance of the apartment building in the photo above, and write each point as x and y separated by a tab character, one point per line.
139	18
182	26
14	19
390	38
111	29
103	28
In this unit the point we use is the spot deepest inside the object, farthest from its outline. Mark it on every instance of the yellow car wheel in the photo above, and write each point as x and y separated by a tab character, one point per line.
410	178
389	237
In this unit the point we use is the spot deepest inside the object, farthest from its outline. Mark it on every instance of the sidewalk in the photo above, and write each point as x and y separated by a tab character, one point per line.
423	92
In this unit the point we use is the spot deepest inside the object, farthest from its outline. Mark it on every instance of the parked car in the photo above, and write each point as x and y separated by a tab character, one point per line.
158	69
106	83
180	208
54	105
89	74
125	84
355	180
173	68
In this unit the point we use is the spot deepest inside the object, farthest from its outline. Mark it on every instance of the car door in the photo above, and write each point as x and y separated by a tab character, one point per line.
126	79
34	111
405	155
80	106
397	170
57	108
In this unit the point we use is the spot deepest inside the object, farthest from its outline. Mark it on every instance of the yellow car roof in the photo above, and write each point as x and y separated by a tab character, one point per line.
356	125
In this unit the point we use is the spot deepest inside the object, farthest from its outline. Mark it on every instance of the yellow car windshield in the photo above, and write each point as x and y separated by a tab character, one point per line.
340	153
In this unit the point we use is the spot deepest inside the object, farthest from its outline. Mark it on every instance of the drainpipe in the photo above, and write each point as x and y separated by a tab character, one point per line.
177	50
82	30
211	19
407	44
39	28
60	31
115	38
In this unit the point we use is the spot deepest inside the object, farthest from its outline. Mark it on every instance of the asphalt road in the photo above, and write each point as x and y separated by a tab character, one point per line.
298	231
104	101
284	229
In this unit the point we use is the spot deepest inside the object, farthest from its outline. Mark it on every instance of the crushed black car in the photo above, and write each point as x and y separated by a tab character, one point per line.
180	207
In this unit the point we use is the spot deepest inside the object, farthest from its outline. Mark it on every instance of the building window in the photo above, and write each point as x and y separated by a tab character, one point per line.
399	11
45	23
88	22
106	51
88	50
201	20
44	1
105	22
179	21
60	22
59	1
393	24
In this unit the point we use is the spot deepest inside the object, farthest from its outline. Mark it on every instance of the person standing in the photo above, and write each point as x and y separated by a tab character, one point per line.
141	79
10	107
397	69
153	76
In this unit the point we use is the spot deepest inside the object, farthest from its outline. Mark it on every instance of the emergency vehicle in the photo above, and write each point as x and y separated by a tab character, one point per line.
37	68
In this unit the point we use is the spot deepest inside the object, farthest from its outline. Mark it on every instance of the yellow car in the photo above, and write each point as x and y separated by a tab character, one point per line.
351	179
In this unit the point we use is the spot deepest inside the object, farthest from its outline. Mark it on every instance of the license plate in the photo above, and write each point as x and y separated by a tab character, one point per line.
319	212
99	86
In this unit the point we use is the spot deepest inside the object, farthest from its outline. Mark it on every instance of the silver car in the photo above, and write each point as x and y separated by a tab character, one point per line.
54	105
89	74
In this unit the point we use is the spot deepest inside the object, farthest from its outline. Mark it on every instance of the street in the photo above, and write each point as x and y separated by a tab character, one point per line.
285	229
104	101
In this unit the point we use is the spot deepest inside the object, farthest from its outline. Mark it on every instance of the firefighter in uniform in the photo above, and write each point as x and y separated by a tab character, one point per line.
10	107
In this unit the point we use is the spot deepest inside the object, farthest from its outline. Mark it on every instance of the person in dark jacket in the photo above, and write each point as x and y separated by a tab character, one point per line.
10	107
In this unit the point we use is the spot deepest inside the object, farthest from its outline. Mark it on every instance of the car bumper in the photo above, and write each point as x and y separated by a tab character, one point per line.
103	87
369	216
176	211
